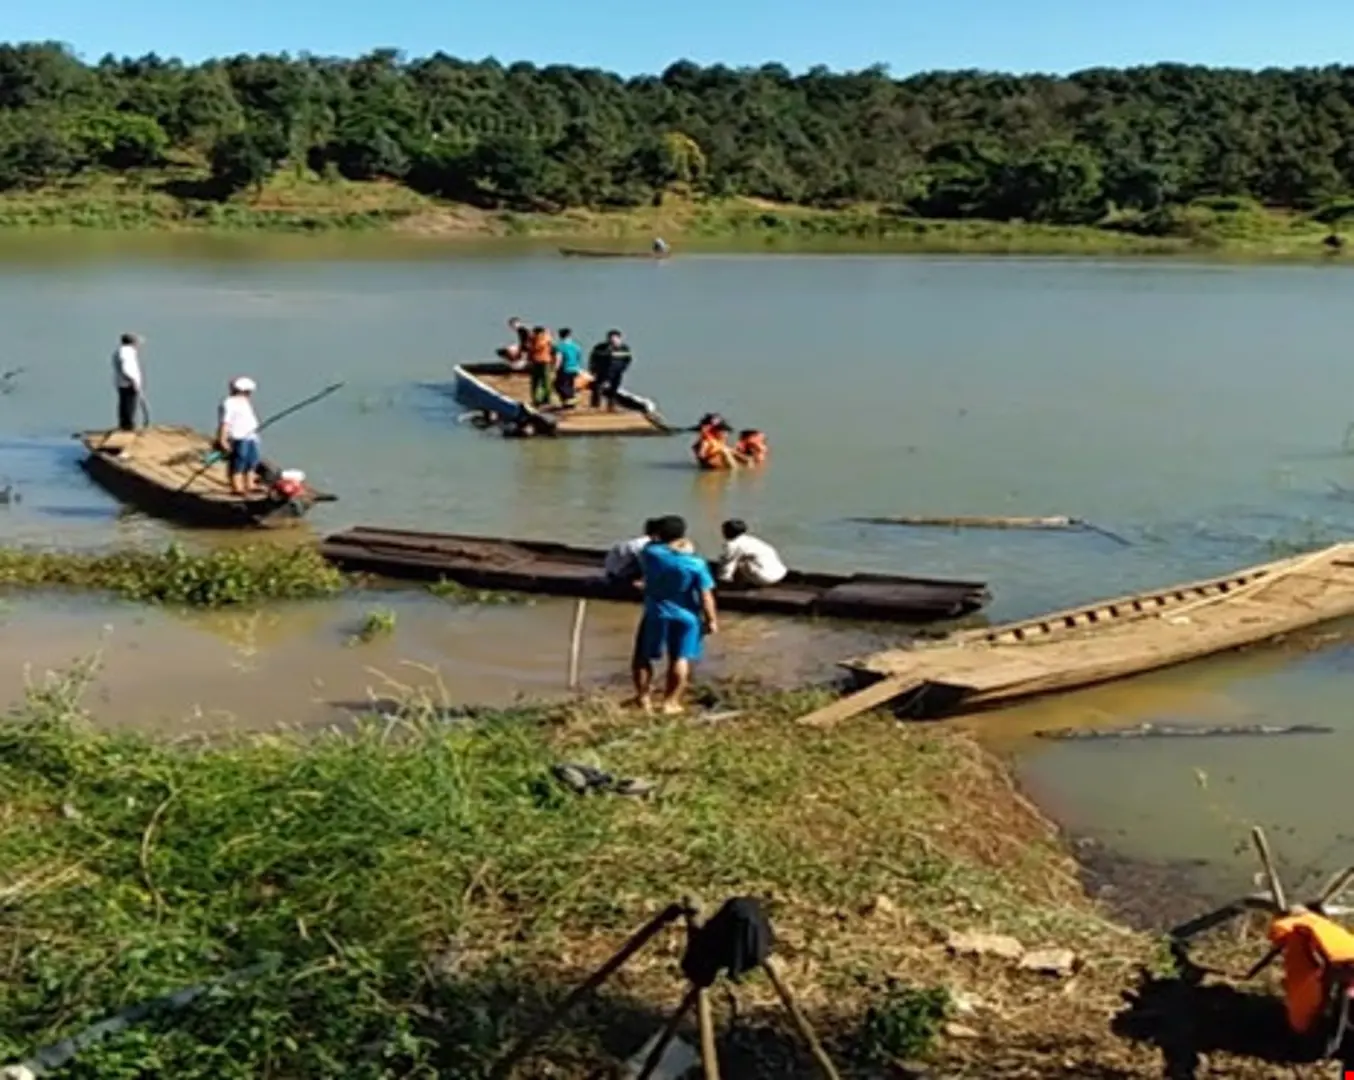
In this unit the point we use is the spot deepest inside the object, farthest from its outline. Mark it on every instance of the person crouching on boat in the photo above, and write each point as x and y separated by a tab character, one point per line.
541	358
711	448
660	247
237	435
568	367
516	353
752	448
679	608
621	564
746	560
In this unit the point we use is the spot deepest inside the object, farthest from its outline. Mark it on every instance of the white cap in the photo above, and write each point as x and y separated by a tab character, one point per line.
244	385
296	476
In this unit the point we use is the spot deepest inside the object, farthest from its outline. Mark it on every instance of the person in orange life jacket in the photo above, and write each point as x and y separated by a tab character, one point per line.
541	356
711	448
752	447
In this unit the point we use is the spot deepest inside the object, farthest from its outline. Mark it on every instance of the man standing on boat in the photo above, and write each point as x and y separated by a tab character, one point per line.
237	434
568	367
679	609
127	380
607	364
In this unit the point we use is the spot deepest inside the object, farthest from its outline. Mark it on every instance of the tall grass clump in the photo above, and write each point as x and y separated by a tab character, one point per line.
217	578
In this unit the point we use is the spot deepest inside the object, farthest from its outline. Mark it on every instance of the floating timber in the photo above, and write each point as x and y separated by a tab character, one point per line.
971	522
159	470
1104	641
561	570
503	393
1183	731
610	253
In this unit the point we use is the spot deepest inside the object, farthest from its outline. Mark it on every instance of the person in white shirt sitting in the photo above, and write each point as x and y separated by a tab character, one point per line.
622	560
238	435
746	560
127	380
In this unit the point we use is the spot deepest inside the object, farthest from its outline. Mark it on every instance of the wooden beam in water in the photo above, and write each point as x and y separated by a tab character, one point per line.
1154	731
1056	521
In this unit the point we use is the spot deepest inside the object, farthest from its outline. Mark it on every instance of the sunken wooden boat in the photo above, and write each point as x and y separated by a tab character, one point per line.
159	470
1107	640
502	393
610	253
561	570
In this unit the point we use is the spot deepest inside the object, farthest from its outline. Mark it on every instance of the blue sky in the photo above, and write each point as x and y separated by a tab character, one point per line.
645	35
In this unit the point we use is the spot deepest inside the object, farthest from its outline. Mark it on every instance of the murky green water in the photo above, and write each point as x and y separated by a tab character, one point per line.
1196	410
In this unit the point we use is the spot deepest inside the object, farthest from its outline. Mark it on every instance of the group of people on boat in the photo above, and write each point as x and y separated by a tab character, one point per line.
679	596
556	367
237	424
713	452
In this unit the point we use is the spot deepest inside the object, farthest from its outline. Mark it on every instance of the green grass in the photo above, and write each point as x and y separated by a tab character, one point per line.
216	578
421	888
292	202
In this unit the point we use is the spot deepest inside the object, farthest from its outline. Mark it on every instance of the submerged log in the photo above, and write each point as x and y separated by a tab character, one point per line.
1163	731
1056	521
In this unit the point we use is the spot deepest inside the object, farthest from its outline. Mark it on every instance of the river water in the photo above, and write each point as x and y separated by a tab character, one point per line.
1196	411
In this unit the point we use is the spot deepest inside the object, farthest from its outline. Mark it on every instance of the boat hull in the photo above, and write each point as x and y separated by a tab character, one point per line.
562	570
496	388
163	477
604	253
1117	638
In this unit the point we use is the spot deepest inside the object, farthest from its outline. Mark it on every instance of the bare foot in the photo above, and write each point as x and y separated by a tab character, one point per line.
642	703
673	708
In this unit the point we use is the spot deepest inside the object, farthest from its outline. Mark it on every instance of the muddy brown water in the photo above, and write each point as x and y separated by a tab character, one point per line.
1198	411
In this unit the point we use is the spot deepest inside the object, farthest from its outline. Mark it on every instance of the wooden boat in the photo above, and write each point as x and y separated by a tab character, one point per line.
498	390
159	471
610	253
561	570
1107	640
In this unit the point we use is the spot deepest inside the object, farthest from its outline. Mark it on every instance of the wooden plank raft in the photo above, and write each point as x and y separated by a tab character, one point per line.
496	388
160	470
550	568
1103	641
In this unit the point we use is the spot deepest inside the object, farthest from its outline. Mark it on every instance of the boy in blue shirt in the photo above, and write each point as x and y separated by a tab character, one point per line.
568	365
679	608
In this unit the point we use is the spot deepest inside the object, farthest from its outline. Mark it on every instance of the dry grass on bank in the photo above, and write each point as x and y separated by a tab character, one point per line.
422	888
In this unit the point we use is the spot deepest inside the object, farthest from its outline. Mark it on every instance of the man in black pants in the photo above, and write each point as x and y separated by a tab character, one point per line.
127	379
607	365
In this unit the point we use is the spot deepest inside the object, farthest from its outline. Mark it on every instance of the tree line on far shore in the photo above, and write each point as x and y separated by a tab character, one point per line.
1132	145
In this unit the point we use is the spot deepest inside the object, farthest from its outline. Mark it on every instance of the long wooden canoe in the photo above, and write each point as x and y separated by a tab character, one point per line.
561	570
1110	639
159	470
497	389
609	253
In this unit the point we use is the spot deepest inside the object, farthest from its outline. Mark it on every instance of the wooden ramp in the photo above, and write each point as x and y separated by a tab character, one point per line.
495	387
1104	641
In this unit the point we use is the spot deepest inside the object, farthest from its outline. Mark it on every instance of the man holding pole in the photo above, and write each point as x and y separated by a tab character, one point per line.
127	380
237	434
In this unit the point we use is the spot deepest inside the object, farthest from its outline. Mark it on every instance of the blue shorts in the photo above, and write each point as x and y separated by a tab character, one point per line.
679	638
244	456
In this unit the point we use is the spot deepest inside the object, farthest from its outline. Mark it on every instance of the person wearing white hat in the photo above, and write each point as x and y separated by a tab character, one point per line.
238	435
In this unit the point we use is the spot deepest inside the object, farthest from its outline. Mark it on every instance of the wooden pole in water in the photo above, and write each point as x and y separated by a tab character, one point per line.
576	641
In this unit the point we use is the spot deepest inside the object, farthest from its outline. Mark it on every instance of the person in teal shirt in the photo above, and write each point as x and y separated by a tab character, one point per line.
568	365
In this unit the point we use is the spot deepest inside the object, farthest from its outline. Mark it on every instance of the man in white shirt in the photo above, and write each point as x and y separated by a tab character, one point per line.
622	560
237	434
746	560
127	380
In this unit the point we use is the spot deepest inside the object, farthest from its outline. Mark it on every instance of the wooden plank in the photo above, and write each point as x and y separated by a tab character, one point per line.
873	696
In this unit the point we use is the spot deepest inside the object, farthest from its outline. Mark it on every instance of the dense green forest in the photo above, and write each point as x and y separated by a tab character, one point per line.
1124	145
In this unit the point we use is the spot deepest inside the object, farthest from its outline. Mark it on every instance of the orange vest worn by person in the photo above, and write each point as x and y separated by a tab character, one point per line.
753	447
710	450
542	348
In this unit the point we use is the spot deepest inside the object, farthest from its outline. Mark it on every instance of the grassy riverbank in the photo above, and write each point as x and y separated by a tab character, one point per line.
408	896
171	201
